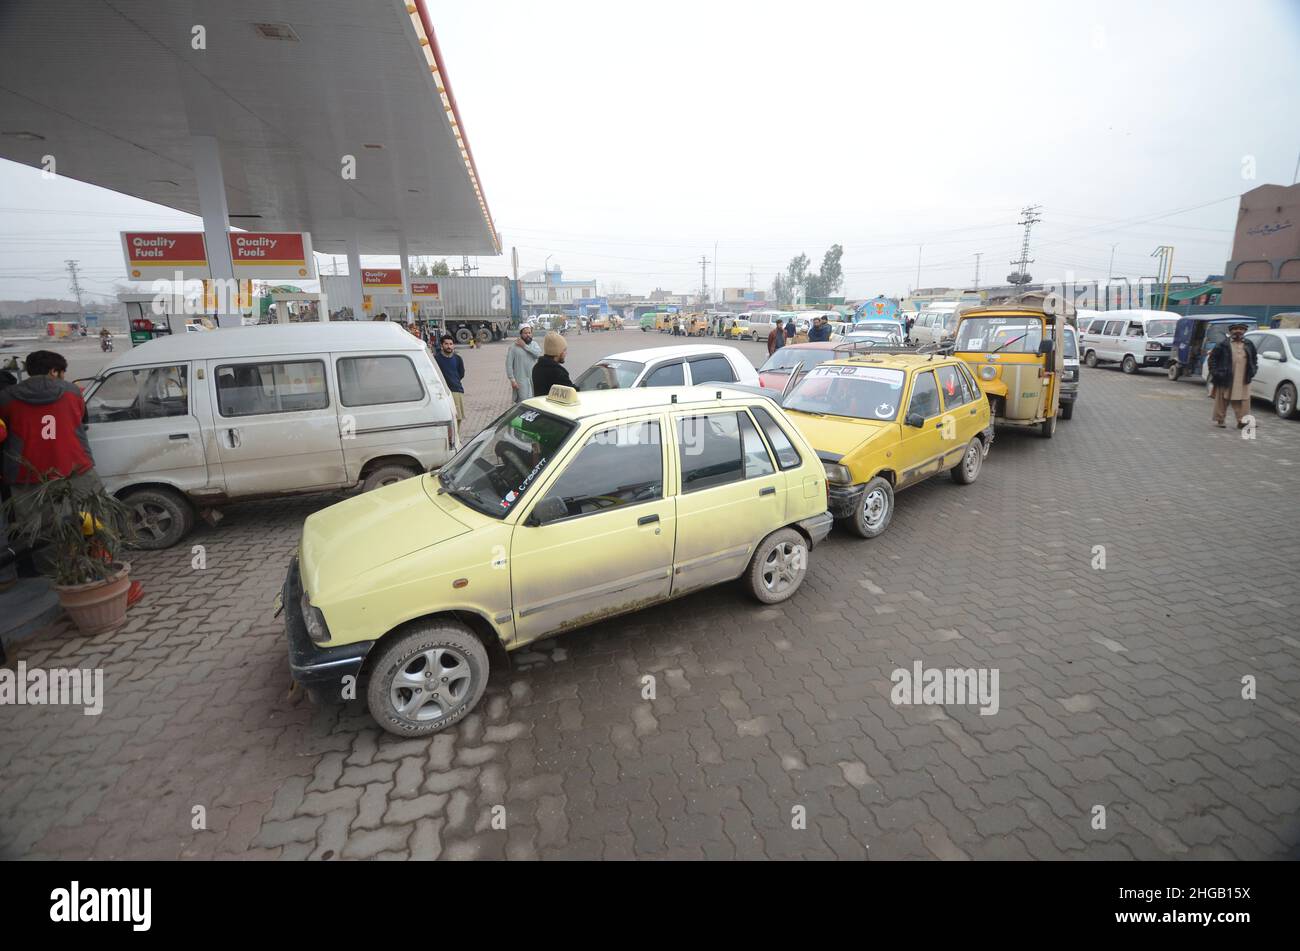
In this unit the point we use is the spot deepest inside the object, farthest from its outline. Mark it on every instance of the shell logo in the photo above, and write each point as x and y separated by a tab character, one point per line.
302	272
135	272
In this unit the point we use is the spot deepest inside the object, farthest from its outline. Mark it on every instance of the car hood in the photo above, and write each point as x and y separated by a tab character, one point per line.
838	435
342	542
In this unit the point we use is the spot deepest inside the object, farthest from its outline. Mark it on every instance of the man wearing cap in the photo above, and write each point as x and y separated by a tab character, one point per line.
549	370
520	360
1232	364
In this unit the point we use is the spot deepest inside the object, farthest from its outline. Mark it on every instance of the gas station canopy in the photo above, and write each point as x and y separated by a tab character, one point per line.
294	91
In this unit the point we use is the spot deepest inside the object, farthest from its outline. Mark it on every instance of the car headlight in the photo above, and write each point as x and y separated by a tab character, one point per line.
988	373
1154	346
837	473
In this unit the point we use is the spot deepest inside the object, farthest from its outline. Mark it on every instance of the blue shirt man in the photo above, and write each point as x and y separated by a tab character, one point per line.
453	371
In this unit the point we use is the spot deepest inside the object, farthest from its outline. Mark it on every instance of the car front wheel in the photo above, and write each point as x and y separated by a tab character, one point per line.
159	517
1284	403
427	679
1090	359
1128	365
875	510
778	567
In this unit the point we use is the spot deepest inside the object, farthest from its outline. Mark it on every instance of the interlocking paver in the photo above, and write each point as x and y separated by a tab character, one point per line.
1119	688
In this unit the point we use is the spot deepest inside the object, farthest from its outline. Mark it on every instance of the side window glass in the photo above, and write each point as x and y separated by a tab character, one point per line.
972	387
925	396
1113	328
1135	329
953	386
710	451
712	370
757	461
371	381
255	389
671	374
618	466
787	457
145	393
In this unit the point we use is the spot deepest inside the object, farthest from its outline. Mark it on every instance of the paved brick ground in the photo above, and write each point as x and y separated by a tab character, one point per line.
1120	687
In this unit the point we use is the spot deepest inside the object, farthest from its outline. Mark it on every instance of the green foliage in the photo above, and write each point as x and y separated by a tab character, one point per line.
817	284
56	514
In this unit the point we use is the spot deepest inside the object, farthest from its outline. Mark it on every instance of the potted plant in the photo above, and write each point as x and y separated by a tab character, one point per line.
77	530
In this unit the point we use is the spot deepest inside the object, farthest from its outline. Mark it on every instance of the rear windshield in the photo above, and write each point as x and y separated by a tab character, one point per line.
609	375
494	470
876	326
856	391
787	357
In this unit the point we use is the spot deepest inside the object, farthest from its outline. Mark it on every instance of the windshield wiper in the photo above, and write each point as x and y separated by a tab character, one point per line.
1010	342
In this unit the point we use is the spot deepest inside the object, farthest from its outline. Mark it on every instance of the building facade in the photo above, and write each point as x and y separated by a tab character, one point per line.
1265	266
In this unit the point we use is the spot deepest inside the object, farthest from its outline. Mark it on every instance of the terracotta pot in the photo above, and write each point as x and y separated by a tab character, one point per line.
98	606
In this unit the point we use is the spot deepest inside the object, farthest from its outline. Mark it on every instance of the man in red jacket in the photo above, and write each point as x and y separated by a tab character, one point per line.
46	421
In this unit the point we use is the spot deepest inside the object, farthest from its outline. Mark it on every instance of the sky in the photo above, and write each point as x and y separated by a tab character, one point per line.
626	141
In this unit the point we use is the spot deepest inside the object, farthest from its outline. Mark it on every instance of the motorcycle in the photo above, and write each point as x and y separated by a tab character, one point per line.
106	344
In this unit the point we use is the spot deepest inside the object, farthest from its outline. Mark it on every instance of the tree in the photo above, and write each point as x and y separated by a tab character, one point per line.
797	272
832	274
440	269
780	293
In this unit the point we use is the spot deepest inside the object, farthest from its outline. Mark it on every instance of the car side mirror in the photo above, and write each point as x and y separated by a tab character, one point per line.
550	509
1044	347
1271	356
915	420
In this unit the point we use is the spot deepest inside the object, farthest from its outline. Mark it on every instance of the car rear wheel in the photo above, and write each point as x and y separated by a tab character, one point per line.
778	566
875	510
427	679
1048	428
1175	371
1066	411
387	475
1090	359
159	517
968	470
1128	364
1284	403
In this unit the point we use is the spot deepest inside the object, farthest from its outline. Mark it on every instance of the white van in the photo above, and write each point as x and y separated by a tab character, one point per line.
937	322
1131	338
187	422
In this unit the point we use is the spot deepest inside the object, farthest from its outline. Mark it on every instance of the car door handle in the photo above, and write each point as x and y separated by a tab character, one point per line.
647	519
233	436
178	436
770	490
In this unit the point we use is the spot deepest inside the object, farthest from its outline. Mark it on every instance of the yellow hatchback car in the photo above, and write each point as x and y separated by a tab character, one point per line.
882	422
567	510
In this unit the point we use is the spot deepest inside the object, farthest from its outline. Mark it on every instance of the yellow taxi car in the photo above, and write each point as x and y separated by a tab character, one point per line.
881	422
568	509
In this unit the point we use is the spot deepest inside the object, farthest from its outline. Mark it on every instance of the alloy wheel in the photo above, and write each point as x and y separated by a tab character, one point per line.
783	567
430	684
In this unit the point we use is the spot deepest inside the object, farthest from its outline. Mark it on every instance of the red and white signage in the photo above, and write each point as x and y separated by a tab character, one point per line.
272	255
425	290
161	255
381	279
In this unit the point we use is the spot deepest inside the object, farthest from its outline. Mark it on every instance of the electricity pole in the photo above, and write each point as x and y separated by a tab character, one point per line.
75	285
704	280
978	255
918	267
1029	217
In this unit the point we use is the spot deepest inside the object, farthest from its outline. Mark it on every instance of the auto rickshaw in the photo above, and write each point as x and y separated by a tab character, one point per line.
1196	336
696	325
1017	352
1290	321
664	323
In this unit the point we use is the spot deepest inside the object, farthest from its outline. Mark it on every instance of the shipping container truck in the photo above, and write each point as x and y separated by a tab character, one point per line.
465	307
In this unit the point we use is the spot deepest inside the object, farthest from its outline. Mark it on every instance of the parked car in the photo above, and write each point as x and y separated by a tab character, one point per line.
567	510
681	365
1278	377
187	422
883	332
1070	373
1132	338
936	322
885	422
775	373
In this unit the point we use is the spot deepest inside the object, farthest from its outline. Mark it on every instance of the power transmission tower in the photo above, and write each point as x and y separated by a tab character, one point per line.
704	279
1029	217
74	284
465	269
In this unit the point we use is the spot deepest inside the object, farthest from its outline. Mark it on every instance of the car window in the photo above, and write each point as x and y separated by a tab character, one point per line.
1134	329
1113	328
371	381
787	456
1071	345
712	370
710	451
670	374
953	386
971	385
256	389
622	465
143	393
861	392
1295	346
609	375
1097	326
1269	344
925	396
757	461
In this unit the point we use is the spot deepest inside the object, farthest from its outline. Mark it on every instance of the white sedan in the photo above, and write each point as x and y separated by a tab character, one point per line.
1278	377
683	365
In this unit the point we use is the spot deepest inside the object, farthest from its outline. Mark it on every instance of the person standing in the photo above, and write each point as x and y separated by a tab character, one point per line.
1233	364
549	371
453	371
789	330
775	339
820	330
520	360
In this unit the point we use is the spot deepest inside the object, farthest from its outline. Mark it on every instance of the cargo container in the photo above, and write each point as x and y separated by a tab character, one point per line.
466	307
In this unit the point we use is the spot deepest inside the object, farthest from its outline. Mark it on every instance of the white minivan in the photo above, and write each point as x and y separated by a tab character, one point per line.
1131	338
937	322
185	423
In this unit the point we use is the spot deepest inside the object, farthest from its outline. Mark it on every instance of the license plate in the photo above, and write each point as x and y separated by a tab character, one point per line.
278	604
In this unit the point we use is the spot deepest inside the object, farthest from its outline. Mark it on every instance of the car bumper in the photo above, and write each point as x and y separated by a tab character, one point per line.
1156	359
309	663
844	499
817	528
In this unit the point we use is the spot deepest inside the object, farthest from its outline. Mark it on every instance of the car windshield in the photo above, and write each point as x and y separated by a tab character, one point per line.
609	375
1071	345
876	327
999	335
494	470
1161	328
787	357
856	391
